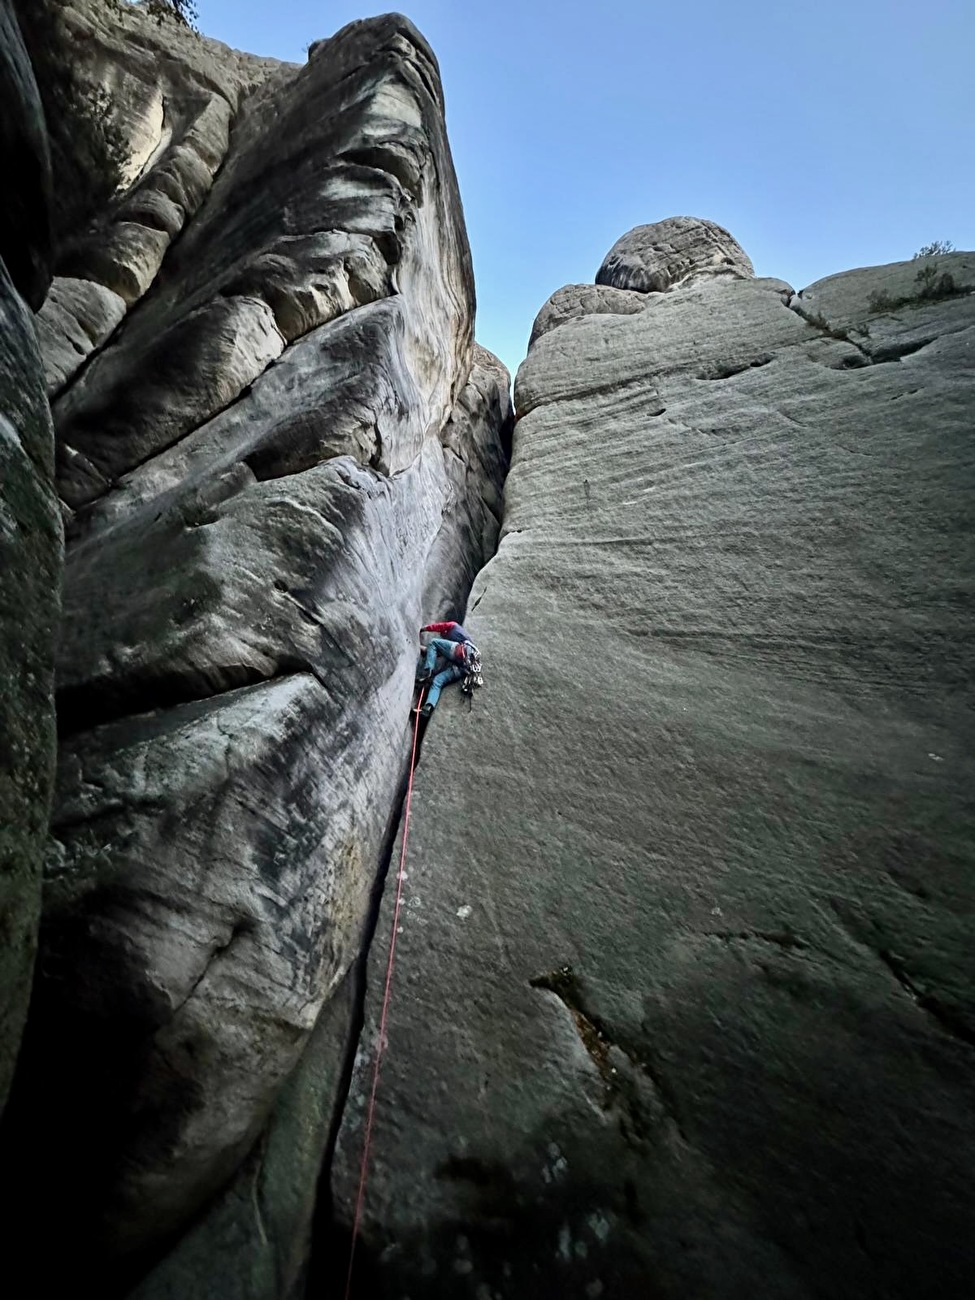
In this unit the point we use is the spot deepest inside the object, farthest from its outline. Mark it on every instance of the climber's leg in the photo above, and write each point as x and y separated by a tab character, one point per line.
452	673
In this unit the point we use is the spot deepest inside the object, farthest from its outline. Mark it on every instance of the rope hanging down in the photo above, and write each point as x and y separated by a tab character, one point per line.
381	1047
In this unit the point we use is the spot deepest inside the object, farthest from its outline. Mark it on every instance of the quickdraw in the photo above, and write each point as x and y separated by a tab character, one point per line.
472	663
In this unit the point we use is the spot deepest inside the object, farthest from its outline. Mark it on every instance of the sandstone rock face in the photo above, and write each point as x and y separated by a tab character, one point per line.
576	300
684	990
254	1242
683	1000
171	97
669	254
287	458
76	318
30	547
286	243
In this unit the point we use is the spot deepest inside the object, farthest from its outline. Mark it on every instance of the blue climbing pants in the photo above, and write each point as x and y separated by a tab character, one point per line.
453	671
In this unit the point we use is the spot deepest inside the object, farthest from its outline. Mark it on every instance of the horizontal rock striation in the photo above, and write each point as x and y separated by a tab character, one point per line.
683	999
288	455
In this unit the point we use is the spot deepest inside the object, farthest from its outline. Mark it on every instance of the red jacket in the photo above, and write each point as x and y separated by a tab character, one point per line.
452	631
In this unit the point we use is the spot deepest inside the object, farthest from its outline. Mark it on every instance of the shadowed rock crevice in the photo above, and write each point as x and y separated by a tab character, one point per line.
326	1249
947	1017
26	226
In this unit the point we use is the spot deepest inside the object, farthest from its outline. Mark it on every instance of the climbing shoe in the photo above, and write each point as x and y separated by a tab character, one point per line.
423	675
424	710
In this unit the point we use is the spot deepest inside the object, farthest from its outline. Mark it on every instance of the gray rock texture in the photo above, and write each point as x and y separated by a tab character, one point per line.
170	98
576	300
680	251
30	547
254	1242
683	1001
286	458
76	318
255	273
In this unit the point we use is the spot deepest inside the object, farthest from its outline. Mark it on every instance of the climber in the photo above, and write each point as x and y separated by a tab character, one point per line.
450	643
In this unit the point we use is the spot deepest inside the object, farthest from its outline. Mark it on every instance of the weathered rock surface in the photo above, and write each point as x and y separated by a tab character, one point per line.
30	548
286	459
477	461
680	251
254	1242
683	999
171	97
76	318
255	273
576	300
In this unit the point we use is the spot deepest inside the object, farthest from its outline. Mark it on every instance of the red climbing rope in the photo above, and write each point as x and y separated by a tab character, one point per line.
364	1167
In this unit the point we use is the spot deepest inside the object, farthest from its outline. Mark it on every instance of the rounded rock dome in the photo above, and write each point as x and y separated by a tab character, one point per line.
667	254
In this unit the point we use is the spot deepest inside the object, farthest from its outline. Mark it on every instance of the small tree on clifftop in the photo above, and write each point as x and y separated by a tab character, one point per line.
184	11
936	249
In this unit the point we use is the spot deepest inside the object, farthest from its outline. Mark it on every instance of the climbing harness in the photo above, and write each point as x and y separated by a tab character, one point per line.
387	991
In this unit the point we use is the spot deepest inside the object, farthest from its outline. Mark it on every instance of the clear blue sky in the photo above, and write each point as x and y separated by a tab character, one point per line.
825	134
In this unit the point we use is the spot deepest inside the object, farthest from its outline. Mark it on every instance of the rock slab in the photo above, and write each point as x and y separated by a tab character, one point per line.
684	999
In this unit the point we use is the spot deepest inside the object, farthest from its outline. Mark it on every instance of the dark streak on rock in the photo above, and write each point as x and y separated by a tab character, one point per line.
899	348
80	709
946	1017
